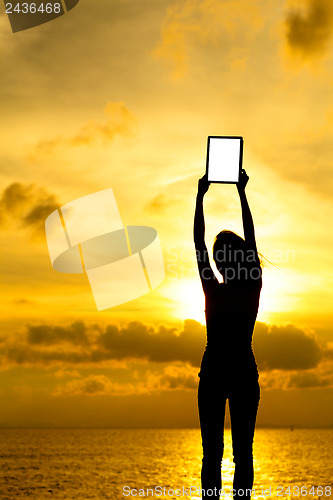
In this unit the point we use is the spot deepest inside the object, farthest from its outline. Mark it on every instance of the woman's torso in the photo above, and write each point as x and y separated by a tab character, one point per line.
231	312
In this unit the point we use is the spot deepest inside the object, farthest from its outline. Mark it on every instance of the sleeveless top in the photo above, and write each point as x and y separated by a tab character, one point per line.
231	312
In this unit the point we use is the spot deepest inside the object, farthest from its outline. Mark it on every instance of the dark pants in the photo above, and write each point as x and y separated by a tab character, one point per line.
243	394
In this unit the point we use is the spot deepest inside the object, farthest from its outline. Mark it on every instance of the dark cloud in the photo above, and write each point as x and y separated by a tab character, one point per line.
51	335
80	344
276	347
163	345
14	197
309	33
26	205
285	348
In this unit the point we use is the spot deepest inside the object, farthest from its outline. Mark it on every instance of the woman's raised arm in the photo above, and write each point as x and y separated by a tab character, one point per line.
205	270
248	225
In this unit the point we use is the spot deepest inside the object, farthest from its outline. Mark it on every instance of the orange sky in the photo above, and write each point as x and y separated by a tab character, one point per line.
123	95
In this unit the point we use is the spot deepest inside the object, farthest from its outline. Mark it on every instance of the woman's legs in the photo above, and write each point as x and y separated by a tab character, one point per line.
243	404
211	413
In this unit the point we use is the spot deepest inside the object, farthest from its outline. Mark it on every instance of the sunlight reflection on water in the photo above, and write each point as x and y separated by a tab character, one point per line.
71	464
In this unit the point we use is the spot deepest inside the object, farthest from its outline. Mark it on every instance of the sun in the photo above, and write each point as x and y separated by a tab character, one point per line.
279	294
187	301
190	300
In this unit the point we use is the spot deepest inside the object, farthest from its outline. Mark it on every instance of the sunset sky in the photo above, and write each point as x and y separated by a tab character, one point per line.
123	94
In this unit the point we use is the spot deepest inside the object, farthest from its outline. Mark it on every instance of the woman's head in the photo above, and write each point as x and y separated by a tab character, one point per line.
233	259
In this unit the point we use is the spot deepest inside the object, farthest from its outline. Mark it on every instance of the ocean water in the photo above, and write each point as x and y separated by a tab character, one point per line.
100	464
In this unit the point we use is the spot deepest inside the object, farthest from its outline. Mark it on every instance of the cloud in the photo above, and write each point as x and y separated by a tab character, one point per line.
26	205
172	378
63	373
314	378
285	348
81	344
195	23
179	378
276	347
51	335
306	380
22	301
328	353
308	33
162	204
91	385
163	345
141	359
118	122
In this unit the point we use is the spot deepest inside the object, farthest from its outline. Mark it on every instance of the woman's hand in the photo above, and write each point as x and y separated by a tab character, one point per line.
203	185
243	180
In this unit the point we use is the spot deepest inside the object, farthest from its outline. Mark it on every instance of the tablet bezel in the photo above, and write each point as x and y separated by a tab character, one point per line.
240	138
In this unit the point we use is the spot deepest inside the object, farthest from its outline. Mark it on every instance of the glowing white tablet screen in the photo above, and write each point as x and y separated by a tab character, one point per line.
224	159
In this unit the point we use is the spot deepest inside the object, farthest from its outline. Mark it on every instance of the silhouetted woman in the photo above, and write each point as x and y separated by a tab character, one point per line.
228	367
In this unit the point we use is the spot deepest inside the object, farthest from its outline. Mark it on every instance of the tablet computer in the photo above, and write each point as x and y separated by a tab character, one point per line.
224	158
